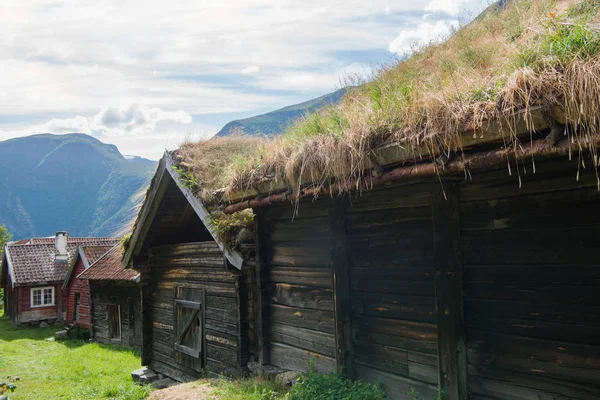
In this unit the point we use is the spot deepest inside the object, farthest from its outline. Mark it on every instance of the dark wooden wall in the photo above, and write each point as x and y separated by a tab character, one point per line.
199	265
127	296
514	273
531	284
391	265
298	323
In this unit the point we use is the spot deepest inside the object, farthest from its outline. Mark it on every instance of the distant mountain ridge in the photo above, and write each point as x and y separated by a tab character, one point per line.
275	122
68	182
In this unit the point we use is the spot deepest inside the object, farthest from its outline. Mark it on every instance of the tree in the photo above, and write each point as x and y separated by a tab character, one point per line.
5	236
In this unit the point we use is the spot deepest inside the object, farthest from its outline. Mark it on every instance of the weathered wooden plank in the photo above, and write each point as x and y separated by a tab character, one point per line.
394	286
534	367
413	308
420	331
302	296
299	230
531	246
417	273
452	363
570	332
306	339
303	318
395	222
564	274
315	277
342	306
295	359
559	352
550	386
536	311
307	253
401	251
391	196
524	211
524	291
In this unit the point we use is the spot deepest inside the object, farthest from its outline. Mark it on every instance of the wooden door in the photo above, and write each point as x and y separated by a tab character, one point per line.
114	322
189	338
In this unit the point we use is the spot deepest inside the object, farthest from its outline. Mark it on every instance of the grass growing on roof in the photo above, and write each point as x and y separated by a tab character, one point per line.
522	55
519	56
71	369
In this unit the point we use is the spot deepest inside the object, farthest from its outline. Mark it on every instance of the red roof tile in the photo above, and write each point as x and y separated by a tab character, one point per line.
34	262
109	268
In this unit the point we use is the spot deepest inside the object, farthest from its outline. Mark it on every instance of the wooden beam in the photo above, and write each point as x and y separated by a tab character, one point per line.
262	295
147	213
452	363
342	306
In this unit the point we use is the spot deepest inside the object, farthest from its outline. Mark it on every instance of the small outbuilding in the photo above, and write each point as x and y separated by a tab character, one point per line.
77	291
196	311
114	301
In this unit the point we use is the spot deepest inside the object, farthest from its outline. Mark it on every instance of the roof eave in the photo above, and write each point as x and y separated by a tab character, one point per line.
164	171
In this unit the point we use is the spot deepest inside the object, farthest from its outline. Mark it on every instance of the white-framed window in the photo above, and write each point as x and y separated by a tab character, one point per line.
42	296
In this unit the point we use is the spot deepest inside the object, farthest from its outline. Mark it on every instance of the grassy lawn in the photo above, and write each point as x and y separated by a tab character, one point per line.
71	369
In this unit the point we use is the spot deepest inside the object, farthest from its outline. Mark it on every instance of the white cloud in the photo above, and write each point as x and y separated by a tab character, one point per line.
424	33
452	7
135	119
184	55
251	69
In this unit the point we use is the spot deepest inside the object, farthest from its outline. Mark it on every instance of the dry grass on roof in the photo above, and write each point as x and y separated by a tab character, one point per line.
527	54
211	164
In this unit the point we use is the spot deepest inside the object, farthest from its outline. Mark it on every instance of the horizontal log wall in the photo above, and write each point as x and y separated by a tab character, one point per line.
298	287
390	254
199	265
127	296
531	275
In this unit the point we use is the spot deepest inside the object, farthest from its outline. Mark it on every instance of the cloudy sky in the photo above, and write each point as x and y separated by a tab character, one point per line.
145	75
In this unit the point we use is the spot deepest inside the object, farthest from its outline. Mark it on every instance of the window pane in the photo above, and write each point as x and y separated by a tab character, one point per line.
37	297
48	296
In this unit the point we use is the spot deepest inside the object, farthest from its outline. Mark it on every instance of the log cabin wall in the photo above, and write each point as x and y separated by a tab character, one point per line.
389	239
199	265
513	270
296	287
127	296
531	275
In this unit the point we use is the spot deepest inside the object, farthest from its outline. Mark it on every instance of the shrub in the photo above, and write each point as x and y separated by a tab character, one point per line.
318	386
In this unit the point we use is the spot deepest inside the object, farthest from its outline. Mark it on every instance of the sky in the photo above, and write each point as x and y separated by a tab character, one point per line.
147	75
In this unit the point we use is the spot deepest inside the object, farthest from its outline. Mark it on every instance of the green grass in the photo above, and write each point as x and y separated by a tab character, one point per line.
248	389
71	369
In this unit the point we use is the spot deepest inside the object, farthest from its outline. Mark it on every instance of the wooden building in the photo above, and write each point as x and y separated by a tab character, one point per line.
33	273
484	287
77	291
196	311
115	300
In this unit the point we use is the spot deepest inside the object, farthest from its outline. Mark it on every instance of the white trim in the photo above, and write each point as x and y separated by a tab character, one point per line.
42	288
9	266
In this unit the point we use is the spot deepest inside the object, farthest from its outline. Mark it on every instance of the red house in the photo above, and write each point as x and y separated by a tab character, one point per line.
77	291
33	273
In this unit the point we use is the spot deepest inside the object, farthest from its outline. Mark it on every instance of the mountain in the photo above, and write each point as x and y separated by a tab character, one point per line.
68	182
275	122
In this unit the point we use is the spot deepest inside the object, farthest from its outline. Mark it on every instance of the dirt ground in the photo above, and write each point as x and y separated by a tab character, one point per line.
186	391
